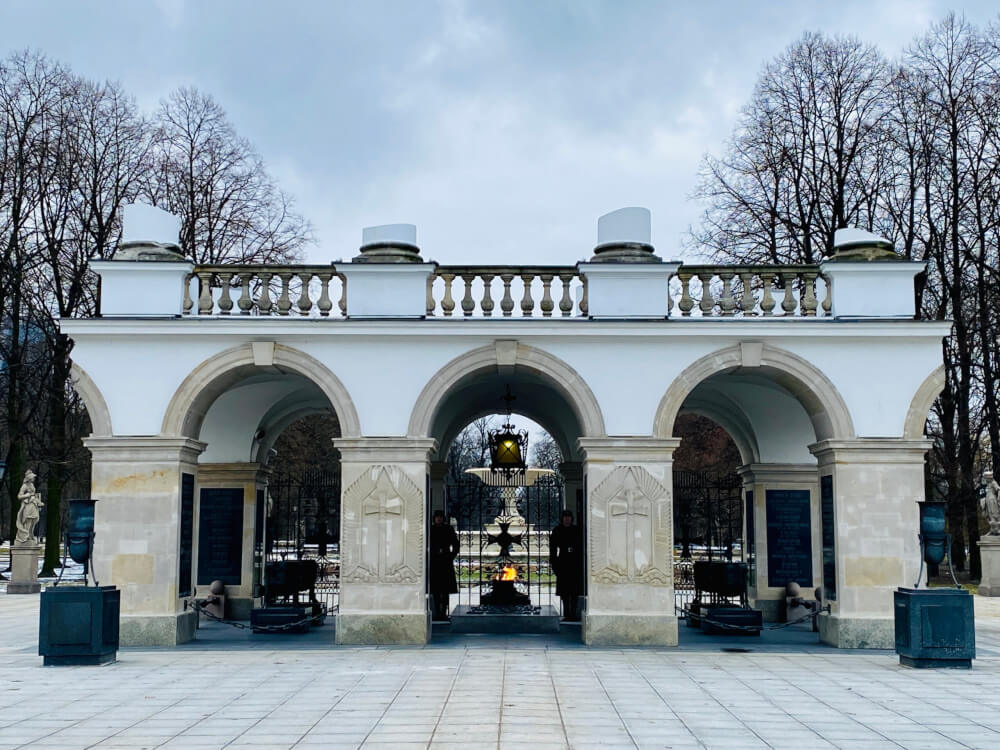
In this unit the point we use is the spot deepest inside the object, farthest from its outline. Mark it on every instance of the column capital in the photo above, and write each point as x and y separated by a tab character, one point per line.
777	473
625	450
384	449
233	472
871	451
144	448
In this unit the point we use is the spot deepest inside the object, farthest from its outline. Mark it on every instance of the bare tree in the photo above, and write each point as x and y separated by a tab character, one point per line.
231	209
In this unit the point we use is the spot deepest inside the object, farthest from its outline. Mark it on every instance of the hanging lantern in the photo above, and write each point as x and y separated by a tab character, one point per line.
508	447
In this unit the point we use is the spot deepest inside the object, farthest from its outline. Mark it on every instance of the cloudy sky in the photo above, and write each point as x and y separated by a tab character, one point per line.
501	129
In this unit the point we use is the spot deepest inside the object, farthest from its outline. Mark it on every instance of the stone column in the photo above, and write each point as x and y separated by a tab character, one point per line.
383	588
629	574
875	484
989	551
572	475
141	485
438	472
248	478
767	587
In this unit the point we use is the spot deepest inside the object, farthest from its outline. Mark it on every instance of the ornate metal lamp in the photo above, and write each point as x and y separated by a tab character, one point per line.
507	446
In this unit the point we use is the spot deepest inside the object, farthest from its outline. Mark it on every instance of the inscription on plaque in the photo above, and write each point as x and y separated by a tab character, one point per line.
751	542
789	538
220	536
829	536
185	553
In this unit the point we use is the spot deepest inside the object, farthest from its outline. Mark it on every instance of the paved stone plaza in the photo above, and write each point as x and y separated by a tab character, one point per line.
539	692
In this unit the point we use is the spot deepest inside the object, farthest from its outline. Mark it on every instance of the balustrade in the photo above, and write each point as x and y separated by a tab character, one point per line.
523	292
749	291
508	291
304	291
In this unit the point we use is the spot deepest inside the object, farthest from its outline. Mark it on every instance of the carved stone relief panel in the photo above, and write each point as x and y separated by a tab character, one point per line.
383	528
631	529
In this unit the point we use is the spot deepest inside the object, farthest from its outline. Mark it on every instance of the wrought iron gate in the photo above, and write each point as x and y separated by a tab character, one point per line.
303	523
471	506
708	524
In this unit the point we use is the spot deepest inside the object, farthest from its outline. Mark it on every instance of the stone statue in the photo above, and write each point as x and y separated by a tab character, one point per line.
991	504
28	515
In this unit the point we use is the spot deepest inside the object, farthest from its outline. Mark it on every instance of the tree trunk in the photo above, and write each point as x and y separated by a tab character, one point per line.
57	453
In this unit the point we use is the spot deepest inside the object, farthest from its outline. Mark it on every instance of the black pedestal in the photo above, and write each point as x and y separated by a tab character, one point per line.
78	625
262	619
935	628
743	621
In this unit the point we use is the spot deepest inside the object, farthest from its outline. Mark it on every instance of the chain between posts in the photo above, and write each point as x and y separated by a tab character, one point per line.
311	619
753	628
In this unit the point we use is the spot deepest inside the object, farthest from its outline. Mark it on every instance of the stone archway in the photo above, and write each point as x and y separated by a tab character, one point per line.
93	401
820	398
507	357
920	406
212	377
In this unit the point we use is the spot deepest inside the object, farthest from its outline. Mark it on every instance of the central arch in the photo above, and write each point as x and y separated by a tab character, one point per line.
506	359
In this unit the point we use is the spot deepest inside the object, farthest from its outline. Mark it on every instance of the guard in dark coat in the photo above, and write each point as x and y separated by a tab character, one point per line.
566	558
444	550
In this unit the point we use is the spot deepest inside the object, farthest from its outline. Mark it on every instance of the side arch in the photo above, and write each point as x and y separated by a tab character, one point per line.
923	400
93	400
819	397
216	374
563	378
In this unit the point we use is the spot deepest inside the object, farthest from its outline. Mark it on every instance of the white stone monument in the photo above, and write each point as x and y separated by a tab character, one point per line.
26	550
989	545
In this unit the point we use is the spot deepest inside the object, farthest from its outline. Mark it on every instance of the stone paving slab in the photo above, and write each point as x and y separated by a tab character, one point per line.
496	692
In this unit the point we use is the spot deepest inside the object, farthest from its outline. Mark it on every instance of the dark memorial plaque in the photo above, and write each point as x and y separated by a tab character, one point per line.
829	536
185	553
751	542
220	536
789	538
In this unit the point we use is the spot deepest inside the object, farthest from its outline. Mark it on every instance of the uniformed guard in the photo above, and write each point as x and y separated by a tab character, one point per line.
566	558
444	550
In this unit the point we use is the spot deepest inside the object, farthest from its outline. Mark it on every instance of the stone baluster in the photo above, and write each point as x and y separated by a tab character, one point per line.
244	302
205	301
788	303
685	304
566	301
707	304
304	303
828	295
546	304
324	304
468	304
487	303
284	301
264	302
747	301
727	303
342	302
188	302
507	303
808	295
447	302
225	301
527	303
430	295
767	302
584	304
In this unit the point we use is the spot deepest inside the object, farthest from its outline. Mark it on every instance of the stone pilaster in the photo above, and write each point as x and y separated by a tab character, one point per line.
989	551
383	590
629	562
137	483
572	476
876	483
249	478
438	472
759	479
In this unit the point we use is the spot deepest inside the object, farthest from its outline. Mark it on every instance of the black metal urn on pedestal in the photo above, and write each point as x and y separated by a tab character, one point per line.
934	627
78	625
